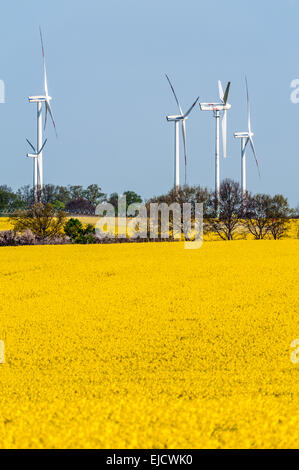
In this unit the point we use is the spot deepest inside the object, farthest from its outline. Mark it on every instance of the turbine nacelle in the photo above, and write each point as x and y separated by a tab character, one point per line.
176	118
248	135
214	106
243	135
39	99
223	106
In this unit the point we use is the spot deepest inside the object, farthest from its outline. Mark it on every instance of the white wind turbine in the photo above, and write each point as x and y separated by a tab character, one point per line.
177	119
223	106
38	179
246	137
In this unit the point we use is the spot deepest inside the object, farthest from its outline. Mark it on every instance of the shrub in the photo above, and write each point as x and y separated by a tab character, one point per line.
79	233
44	221
11	238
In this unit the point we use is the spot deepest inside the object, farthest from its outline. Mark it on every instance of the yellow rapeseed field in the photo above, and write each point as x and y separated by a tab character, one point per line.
293	230
5	224
150	345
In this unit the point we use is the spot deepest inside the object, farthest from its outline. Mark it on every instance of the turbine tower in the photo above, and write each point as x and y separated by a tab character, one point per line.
38	177
222	106
181	117
245	138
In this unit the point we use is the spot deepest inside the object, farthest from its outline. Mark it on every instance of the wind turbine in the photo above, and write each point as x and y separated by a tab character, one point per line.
223	106
38	179
181	117
246	137
35	156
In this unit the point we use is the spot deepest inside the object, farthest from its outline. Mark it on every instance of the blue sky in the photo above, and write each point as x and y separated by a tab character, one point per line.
106	63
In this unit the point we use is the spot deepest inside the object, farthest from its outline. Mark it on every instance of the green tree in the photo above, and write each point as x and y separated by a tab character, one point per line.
76	192
8	199
132	198
93	193
78	233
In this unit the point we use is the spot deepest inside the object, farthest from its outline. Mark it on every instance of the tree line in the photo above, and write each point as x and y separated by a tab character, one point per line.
260	215
72	198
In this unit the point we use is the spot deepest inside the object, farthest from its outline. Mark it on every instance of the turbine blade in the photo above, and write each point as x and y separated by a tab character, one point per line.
224	132
247	140
44	64
254	154
175	96
31	146
49	109
225	98
42	148
185	147
190	109
41	40
221	94
248	107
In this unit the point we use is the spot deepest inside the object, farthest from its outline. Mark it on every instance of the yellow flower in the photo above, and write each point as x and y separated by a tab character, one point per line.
149	345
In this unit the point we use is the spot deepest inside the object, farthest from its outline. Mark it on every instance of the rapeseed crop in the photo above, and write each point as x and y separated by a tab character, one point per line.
149	345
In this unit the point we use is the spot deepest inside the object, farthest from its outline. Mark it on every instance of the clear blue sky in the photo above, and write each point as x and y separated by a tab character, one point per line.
106	63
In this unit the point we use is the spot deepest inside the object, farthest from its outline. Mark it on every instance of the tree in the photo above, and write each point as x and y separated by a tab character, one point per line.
175	200
58	205
26	195
63	194
8	199
230	208
278	216
132	198
296	212
256	217
186	194
93	193
76	192
80	206
113	199
49	194
43	220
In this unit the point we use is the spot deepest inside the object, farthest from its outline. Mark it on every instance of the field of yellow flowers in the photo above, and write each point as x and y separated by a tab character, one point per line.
293	229
149	345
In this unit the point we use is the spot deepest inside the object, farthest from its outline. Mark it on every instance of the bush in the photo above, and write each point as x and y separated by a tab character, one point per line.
78	233
11	238
44	221
8	238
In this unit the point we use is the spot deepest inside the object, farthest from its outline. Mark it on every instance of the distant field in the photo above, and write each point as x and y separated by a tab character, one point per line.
150	346
292	233
5	224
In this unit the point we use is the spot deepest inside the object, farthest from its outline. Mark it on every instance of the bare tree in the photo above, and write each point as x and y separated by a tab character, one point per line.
256	218
230	210
278	217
